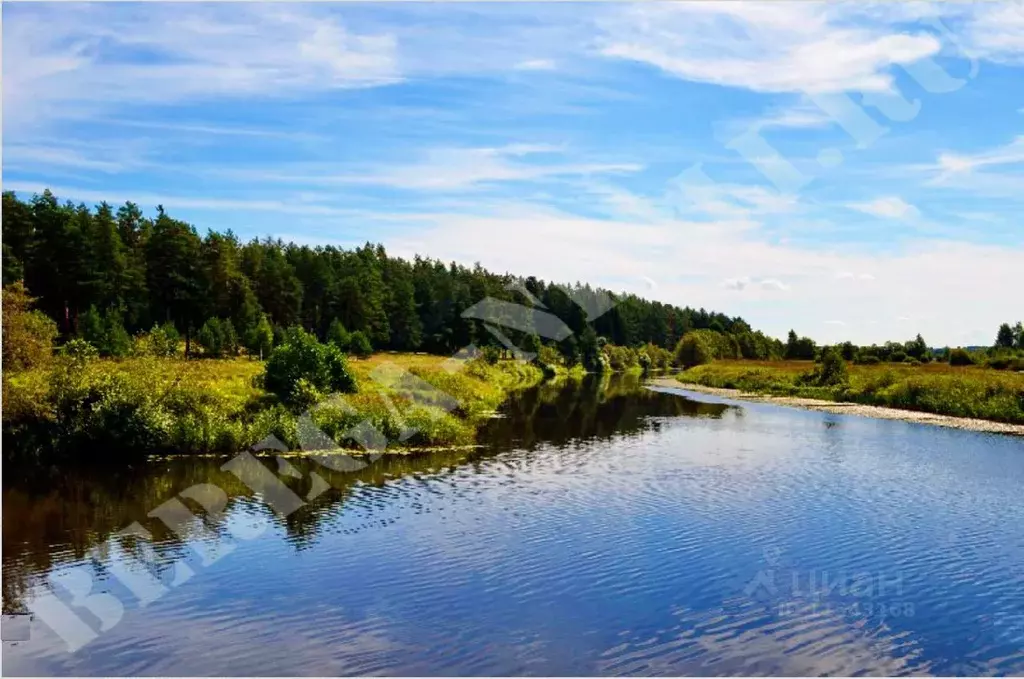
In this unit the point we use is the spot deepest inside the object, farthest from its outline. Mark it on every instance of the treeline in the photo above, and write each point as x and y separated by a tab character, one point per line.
1007	352
106	274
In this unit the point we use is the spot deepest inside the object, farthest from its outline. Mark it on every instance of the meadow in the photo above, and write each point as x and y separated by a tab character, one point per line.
123	408
968	391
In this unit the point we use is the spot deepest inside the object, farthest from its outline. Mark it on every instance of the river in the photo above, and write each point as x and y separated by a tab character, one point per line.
602	529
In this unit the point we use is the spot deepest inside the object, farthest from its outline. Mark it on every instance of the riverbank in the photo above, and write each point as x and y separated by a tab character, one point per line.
971	392
127	408
846	408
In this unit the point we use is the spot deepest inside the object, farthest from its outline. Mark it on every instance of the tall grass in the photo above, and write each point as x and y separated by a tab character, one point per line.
934	388
121	409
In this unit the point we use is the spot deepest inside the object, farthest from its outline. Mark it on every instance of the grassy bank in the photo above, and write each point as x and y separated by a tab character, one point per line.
934	388
139	406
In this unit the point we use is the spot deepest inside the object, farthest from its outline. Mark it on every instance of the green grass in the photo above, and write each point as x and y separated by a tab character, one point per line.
138	406
935	388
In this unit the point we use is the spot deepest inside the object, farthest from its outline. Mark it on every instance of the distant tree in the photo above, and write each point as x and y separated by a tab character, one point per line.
694	349
800	348
960	356
849	351
338	335
359	344
174	274
159	270
1005	338
217	338
531	344
832	371
917	348
105	332
259	340
570	350
590	352
1018	333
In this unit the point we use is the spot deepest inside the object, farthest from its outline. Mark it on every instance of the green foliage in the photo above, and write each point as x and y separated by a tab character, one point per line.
531	344
961	357
105	332
974	392
619	358
359	344
28	334
160	342
1005	337
259	338
592	357
217	338
490	355
695	348
338	335
660	358
832	370
79	351
800	348
302	369
159	269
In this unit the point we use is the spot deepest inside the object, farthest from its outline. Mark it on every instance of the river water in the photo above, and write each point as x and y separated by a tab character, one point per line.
602	529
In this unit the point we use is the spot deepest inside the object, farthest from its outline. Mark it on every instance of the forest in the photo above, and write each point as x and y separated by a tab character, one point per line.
100	306
105	274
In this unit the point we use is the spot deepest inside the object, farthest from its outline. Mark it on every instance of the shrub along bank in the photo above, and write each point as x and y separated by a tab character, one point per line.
934	388
79	406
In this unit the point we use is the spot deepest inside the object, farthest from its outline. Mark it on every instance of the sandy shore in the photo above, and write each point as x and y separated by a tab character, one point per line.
880	412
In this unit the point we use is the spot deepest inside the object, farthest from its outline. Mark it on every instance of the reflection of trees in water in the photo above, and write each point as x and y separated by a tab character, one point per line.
598	408
55	517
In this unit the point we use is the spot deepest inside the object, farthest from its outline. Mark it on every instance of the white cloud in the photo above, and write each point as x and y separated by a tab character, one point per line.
687	259
535	65
996	32
81	57
1010	154
840	323
803	116
444	169
891	207
772	284
765	47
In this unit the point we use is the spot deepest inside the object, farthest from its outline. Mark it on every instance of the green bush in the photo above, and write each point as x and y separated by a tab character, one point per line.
162	341
867	359
78	350
259	338
960	356
217	338
105	332
359	344
27	334
338	335
303	368
490	355
832	372
695	348
1006	363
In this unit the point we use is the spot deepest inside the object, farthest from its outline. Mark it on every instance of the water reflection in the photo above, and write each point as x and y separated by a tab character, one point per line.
601	528
56	517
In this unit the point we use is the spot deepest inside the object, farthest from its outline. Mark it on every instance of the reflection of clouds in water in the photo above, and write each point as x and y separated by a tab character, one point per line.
808	642
528	560
234	636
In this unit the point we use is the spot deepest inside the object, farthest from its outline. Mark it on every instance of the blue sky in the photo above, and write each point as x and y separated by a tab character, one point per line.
852	171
